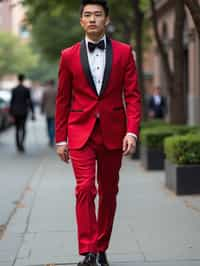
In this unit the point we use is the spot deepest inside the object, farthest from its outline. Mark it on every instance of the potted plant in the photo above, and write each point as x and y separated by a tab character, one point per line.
182	165
151	148
144	125
152	143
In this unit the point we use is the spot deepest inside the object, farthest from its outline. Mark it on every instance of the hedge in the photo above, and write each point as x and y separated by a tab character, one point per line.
153	123
154	137
183	149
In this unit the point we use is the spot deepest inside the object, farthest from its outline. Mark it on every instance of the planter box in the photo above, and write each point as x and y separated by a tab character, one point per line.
152	159
182	179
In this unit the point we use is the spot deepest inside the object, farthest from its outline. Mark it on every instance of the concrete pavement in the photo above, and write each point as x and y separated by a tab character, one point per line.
153	227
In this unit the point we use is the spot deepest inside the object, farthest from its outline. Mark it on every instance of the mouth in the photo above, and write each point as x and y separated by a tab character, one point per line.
92	26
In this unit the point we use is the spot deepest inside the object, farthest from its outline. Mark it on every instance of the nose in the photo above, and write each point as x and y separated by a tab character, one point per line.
92	18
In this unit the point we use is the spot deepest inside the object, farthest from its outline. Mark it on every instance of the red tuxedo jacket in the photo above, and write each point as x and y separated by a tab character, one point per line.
78	104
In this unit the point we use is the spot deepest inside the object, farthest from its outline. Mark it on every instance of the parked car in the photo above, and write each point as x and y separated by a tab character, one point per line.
5	95
5	117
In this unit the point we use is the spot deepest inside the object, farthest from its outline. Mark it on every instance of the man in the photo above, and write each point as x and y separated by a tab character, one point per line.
157	105
93	128
20	104
48	108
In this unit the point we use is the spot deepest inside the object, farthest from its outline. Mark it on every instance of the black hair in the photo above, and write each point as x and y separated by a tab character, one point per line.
102	3
21	77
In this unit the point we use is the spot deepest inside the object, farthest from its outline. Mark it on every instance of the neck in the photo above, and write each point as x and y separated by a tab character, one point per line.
95	38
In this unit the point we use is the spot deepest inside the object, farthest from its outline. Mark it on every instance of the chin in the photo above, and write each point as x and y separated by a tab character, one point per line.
92	31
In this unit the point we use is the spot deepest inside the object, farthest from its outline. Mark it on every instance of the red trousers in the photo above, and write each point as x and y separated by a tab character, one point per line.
94	228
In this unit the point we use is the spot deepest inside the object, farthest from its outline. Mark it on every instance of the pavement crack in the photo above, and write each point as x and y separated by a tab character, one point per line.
38	175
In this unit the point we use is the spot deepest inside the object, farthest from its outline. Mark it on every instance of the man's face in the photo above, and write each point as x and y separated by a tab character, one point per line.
93	20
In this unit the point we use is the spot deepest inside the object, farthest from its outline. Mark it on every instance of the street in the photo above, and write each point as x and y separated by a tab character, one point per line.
153	227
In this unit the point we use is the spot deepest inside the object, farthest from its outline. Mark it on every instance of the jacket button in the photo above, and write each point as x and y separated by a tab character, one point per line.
97	115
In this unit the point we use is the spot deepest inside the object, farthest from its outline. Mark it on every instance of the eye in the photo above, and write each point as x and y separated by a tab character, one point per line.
98	14
86	15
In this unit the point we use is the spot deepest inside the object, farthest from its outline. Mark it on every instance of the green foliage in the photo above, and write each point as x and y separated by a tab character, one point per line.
183	149
153	123
53	34
15	56
55	24
153	137
43	71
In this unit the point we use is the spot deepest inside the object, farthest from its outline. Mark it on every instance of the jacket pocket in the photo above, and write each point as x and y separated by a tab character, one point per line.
76	110
118	108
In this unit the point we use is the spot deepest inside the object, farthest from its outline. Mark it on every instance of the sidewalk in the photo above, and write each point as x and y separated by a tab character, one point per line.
153	227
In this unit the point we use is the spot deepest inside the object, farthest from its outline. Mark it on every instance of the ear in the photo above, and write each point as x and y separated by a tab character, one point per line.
107	21
81	23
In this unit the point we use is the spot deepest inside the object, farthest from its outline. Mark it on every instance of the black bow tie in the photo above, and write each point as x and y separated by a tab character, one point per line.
92	46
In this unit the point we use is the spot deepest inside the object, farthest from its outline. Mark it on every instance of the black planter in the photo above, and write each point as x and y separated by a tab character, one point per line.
182	179
152	159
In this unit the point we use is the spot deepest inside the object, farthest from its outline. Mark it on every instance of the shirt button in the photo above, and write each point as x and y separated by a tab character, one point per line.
99	81
98	68
97	54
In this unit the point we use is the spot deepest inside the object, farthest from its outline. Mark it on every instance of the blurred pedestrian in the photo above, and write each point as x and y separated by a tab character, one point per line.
48	108
94	76
20	105
157	105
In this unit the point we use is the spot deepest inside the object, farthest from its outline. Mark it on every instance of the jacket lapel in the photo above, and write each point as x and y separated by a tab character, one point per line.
108	66
85	64
86	67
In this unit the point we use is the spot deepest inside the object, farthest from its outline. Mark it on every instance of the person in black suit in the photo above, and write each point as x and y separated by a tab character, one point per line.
157	105
20	104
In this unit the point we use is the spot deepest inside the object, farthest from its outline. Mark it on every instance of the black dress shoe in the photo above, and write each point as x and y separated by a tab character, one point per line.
102	259
89	260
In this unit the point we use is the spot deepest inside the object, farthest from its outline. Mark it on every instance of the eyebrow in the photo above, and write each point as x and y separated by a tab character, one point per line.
95	12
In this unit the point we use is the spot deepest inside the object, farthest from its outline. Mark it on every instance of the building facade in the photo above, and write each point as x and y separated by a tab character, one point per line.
12	18
191	73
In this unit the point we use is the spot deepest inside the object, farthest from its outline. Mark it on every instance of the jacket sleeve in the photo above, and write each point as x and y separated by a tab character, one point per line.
132	96
63	99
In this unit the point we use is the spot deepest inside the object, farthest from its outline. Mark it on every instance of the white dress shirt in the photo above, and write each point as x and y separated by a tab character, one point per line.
157	99
97	62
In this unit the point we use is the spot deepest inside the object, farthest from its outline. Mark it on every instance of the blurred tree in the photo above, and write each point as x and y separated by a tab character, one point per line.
174	75
63	20
54	25
43	71
194	8
138	15
178	96
15	56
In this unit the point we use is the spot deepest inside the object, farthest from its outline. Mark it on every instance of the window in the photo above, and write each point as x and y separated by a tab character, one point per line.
23	31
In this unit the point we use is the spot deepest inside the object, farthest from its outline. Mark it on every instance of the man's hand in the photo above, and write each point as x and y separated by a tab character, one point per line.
129	145
63	153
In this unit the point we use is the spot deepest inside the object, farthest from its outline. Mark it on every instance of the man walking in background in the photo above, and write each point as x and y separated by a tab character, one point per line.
20	104
93	127
157	107
48	108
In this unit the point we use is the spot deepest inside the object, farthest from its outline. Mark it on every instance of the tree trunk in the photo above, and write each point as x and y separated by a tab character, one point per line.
127	29
163	52
177	101
175	81
138	25
194	9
